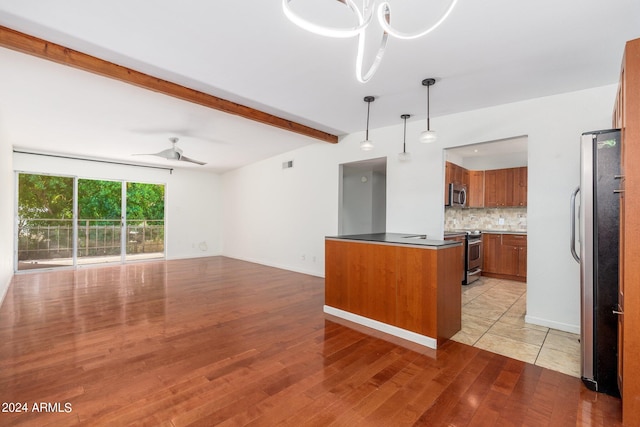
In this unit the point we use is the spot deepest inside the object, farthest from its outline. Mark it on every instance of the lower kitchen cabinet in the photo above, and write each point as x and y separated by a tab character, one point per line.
491	246
505	256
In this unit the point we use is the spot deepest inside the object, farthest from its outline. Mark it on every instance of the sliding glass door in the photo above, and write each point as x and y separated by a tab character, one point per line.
99	221
145	221
65	221
45	221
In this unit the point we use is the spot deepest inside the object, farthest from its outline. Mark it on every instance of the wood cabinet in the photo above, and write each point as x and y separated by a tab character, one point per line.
491	247
514	255
495	188
475	190
447	180
491	188
416	289
505	256
521	186
626	116
454	174
462	239
505	187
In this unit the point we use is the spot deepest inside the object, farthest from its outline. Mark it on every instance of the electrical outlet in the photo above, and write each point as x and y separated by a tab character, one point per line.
303	257
500	221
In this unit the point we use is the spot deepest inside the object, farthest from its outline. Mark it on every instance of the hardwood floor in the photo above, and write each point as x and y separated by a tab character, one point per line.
217	341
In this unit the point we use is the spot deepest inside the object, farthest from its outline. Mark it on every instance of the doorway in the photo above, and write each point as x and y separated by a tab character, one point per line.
363	197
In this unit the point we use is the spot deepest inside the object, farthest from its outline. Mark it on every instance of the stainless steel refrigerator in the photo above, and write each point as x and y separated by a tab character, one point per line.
597	223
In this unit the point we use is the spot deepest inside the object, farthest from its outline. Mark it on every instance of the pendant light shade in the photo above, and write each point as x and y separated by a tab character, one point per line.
367	145
404	156
428	135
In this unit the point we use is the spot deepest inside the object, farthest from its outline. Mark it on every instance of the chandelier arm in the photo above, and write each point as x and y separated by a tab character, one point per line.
384	10
364	19
365	77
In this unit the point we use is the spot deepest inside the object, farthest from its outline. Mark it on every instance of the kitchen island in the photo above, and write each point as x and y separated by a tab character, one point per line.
401	284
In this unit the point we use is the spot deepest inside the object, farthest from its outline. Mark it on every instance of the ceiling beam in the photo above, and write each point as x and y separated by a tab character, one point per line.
40	48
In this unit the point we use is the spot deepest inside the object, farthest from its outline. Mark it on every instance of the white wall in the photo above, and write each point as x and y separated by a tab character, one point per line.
6	216
280	218
357	201
193	199
364	201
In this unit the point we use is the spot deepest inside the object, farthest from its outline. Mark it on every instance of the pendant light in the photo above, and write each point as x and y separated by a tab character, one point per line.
428	135
367	145
362	17
404	156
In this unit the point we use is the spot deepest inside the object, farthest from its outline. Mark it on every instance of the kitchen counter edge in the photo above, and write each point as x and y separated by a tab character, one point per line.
396	239
522	233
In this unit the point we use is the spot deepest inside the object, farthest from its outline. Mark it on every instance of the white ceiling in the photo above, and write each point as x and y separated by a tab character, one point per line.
487	53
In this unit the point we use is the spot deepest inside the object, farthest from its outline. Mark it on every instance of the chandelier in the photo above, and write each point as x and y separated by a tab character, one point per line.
364	17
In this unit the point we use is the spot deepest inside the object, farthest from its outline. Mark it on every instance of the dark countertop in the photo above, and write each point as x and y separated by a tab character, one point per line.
487	231
454	233
398	238
504	232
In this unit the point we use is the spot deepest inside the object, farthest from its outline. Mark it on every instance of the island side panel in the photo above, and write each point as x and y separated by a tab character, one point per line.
336	289
449	293
417	291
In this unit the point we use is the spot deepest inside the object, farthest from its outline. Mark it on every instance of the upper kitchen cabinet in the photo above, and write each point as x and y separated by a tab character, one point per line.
521	187
494	172
495	188
454	174
505	187
517	187
475	189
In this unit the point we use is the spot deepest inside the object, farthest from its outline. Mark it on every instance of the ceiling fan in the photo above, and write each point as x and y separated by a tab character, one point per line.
173	153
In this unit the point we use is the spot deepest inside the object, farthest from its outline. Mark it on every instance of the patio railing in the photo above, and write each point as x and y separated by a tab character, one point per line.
41	239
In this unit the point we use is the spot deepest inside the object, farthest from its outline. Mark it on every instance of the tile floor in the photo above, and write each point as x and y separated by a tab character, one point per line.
493	319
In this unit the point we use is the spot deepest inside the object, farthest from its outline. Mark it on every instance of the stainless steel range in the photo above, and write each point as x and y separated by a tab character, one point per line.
473	256
472	262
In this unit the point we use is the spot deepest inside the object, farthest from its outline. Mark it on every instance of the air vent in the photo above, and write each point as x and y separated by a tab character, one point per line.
287	164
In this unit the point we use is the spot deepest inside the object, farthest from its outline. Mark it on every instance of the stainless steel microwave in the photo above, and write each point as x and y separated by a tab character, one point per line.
457	195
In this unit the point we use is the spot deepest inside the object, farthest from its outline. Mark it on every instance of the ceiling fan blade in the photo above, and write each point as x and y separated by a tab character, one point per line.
186	159
173	153
169	154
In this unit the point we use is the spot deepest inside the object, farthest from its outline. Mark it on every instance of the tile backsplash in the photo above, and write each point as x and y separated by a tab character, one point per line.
514	219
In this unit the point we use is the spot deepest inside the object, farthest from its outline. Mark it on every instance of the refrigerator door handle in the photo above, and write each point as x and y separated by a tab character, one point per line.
573	224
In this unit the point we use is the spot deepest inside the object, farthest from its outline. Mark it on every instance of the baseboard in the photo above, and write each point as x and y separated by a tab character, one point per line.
574	329
5	289
191	256
505	277
383	327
